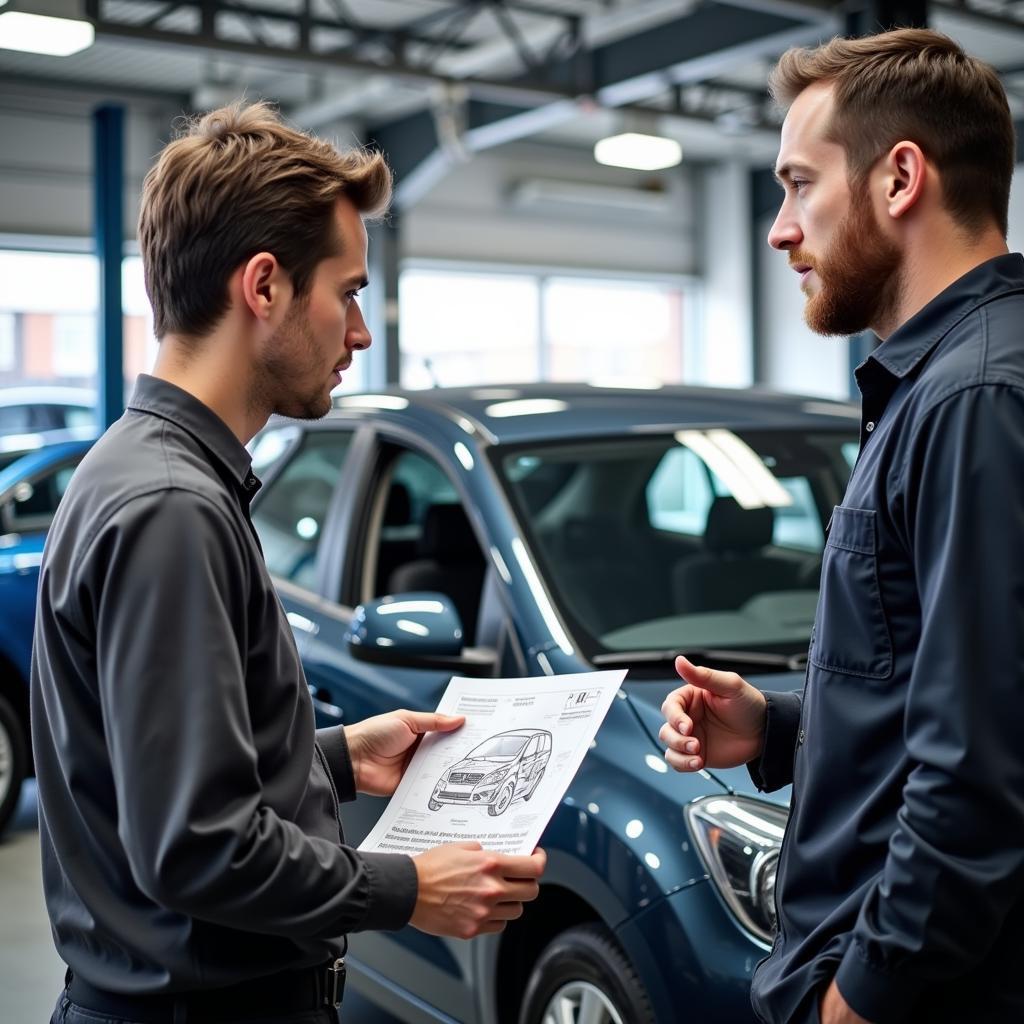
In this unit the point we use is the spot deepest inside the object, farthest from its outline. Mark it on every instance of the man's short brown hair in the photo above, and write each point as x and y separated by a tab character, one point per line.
920	86
236	182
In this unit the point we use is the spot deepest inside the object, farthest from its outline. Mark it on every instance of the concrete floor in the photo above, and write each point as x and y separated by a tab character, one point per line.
31	973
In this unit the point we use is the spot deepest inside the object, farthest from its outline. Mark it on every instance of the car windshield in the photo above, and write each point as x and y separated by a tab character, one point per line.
500	748
697	539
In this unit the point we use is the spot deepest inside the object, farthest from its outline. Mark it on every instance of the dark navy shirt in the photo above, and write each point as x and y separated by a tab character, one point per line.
902	870
188	809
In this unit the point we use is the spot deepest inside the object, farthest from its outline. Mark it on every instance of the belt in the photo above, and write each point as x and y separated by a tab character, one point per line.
312	988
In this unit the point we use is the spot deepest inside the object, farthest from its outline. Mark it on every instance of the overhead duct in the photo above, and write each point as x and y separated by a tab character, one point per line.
548	195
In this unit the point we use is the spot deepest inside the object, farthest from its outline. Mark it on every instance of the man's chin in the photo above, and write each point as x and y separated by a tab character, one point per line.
311	409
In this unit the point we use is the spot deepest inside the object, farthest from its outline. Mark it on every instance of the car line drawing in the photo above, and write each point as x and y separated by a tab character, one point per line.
504	768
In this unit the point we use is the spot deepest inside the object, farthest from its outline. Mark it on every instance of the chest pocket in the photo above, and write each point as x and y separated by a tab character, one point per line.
851	634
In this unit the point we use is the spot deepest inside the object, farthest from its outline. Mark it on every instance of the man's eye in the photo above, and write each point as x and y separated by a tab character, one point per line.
797	184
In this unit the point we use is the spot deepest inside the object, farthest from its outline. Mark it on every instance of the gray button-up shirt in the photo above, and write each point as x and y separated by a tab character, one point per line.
902	871
188	808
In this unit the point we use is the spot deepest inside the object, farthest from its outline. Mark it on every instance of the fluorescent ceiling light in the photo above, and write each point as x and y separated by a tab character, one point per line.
639	152
38	33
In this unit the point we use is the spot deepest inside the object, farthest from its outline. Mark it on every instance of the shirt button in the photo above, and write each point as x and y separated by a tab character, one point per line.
869	426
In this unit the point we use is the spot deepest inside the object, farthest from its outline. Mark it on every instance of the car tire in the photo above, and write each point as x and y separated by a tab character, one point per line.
585	963
13	760
501	804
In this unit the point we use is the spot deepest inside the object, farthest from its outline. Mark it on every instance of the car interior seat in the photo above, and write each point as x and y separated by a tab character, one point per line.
398	544
736	563
449	561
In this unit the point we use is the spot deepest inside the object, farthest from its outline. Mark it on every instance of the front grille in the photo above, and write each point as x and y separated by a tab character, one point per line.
447	795
465	778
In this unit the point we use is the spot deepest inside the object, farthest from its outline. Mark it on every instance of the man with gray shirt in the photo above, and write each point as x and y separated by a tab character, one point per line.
194	862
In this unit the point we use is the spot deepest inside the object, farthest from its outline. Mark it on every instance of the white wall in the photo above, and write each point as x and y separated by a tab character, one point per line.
471	215
46	161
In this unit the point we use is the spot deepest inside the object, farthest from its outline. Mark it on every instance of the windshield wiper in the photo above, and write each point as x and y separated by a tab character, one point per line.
712	656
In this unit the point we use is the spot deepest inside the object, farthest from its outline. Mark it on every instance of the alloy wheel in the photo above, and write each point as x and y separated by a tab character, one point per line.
579	1002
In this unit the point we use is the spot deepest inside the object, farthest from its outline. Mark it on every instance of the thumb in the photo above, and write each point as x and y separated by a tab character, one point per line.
721	684
425	721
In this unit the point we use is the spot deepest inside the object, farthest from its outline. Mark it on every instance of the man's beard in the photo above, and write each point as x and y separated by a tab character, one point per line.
860	275
289	381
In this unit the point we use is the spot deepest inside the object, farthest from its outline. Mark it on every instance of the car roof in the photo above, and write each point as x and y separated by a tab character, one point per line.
46	394
38	460
534	412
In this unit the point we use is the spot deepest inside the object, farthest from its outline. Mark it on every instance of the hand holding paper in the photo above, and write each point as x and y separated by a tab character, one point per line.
381	747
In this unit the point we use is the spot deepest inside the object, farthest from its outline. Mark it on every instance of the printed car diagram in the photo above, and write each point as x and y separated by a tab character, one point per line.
506	767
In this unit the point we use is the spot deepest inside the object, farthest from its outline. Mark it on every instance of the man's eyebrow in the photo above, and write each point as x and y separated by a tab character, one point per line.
785	172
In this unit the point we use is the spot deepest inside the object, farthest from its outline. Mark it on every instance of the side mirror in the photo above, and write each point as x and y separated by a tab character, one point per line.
415	630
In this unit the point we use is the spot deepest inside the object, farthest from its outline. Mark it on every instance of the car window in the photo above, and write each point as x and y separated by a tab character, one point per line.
680	493
33	503
422	539
79	416
289	517
46	416
14	419
703	537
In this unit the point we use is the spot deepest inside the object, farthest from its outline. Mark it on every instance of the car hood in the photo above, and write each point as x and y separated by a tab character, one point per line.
480	764
646	697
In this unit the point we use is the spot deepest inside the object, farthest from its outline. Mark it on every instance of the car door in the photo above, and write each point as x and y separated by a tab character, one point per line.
304	470
26	512
385	541
528	769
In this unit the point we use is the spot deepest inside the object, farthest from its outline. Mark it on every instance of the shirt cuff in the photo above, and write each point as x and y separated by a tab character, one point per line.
876	995
774	768
339	762
394	888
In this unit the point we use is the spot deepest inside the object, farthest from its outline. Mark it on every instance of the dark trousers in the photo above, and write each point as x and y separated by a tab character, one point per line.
66	1012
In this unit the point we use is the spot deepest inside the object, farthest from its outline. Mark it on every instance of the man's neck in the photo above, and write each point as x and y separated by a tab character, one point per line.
215	375
932	266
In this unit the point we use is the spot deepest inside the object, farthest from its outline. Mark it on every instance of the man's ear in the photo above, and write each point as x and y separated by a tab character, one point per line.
266	289
905	173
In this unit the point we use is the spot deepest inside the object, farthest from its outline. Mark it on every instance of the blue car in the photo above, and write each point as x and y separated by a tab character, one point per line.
30	489
531	530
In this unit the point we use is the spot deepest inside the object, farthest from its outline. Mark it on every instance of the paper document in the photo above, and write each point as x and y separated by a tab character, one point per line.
498	779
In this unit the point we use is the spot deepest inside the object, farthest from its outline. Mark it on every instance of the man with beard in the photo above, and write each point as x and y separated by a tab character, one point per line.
194	863
900	889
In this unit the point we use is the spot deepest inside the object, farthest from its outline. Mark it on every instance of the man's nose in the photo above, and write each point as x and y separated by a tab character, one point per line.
785	233
357	334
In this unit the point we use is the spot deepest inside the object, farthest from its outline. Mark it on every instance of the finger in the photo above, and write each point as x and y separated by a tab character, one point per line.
521	890
676	707
684	743
509	866
683	762
429	721
721	684
510	911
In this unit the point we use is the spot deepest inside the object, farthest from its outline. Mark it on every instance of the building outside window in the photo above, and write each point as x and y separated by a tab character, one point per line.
462	326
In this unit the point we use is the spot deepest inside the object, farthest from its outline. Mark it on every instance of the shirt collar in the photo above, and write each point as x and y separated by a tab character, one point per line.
161	398
901	353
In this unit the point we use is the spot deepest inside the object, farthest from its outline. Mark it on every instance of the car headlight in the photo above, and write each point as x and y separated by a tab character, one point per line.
497	776
739	840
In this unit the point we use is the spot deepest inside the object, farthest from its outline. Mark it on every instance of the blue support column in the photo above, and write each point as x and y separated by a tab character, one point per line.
108	228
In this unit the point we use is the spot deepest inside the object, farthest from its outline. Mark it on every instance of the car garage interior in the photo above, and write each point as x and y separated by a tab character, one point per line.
598	427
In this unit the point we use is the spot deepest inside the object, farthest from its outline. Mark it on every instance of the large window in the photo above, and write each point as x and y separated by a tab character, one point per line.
461	326
48	322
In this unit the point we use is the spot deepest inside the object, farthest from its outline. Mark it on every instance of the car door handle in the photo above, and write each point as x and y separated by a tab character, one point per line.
322	702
